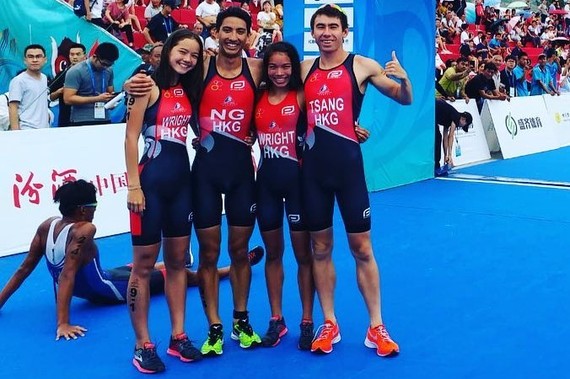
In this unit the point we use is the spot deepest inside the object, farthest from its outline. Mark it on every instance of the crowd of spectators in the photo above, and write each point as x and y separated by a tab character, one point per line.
200	16
504	53
85	88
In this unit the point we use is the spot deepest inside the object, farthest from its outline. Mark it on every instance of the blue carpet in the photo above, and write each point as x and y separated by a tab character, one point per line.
551	165
474	282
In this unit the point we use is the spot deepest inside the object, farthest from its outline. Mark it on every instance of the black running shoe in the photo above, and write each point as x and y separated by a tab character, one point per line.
276	330
181	347
255	255
307	334
146	360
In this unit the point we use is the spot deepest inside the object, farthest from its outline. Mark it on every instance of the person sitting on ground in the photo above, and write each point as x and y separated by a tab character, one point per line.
73	259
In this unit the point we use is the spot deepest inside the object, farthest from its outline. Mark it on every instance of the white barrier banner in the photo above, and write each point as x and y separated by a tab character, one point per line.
558	108
37	162
522	126
472	146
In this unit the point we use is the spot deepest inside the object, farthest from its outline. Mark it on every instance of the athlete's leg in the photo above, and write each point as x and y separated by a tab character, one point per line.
192	276
323	271
209	241
175	283
273	241
240	269
367	274
302	248
138	293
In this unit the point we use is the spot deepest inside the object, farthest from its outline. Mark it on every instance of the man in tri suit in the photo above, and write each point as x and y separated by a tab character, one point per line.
223	165
333	167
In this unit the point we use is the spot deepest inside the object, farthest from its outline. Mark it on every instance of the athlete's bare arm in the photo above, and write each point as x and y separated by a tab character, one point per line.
79	249
369	71
136	107
35	254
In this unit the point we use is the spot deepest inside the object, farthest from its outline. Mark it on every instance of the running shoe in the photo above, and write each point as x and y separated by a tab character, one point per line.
255	255
243	332
215	342
327	335
379	339
307	334
276	330
442	171
181	347
146	360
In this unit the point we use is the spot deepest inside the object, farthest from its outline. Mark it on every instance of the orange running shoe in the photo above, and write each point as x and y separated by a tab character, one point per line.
327	335
379	339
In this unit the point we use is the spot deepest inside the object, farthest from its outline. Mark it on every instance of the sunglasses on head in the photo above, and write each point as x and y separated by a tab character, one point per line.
338	8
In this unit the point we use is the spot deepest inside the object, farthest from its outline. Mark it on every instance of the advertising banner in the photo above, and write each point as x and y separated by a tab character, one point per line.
523	126
42	160
558	109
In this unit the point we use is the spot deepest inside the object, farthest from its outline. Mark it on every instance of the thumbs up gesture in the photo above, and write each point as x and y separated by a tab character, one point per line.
394	68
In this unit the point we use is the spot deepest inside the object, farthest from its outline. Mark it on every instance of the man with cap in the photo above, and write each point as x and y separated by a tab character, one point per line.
450	118
162	25
89	85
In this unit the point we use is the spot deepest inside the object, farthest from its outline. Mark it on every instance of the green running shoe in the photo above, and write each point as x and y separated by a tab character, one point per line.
215	342
243	332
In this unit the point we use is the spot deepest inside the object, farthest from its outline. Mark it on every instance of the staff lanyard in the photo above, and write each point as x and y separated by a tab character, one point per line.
93	79
168	25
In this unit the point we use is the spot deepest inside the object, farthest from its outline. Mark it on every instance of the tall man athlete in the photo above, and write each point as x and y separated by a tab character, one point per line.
223	165
333	167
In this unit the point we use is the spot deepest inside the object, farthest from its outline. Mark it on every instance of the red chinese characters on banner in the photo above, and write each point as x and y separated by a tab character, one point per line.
29	189
112	183
60	178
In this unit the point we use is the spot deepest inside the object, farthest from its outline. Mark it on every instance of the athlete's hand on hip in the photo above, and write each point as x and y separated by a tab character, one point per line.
69	332
249	140
135	200
139	85
394	68
362	134
195	143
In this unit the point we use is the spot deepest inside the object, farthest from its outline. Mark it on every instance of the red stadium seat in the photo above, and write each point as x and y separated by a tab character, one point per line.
454	48
143	22
176	15
139	11
187	16
140	41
